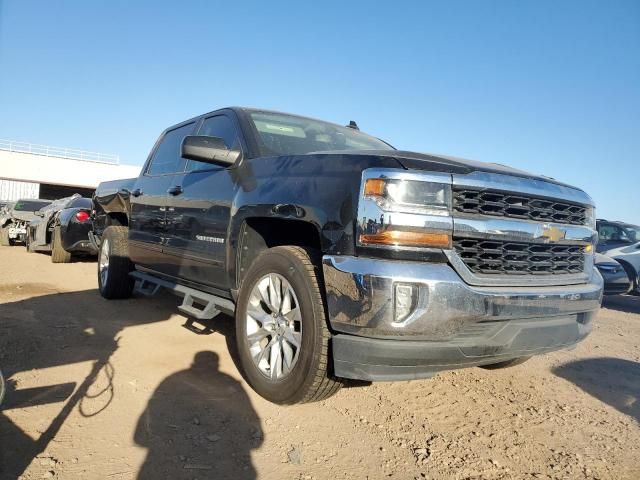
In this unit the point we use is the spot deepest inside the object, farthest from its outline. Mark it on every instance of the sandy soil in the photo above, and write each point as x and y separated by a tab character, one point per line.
120	390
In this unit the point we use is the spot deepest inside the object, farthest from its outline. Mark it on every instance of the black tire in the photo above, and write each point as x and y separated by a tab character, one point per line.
4	237
58	253
27	243
506	364
117	283
310	377
2	388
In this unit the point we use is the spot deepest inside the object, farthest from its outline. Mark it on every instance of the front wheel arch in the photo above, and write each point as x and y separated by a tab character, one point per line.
634	276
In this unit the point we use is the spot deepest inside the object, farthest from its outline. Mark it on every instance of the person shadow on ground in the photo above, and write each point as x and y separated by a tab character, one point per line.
199	423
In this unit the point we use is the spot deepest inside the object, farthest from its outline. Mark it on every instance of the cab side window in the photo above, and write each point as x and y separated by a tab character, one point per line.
219	126
167	158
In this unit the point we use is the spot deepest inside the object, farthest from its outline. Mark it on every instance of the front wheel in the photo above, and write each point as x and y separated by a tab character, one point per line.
2	387
281	328
114	265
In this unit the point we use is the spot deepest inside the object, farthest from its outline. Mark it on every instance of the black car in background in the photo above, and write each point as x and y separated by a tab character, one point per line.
616	280
62	228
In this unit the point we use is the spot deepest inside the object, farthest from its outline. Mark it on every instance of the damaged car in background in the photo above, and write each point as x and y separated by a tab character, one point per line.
62	228
13	226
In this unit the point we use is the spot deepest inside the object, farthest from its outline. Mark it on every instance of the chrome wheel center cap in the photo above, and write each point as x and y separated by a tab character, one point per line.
281	325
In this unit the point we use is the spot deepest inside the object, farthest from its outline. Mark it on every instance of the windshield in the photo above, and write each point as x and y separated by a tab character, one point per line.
30	205
633	232
282	134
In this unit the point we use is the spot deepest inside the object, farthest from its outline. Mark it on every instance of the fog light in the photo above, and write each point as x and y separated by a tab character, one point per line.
405	301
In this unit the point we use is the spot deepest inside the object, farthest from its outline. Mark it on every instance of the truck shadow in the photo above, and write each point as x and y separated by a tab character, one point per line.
614	381
622	303
52	329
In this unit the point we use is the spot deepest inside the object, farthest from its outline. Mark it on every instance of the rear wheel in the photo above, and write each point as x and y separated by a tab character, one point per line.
281	328
27	243
58	253
506	364
4	237
114	265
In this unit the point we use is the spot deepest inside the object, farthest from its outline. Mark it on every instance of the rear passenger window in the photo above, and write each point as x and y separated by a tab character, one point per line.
219	126
167	157
81	202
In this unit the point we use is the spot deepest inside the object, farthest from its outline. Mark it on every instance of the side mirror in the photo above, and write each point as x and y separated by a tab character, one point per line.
208	149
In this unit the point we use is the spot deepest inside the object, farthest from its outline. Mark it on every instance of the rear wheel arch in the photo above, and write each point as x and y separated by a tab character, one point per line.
117	219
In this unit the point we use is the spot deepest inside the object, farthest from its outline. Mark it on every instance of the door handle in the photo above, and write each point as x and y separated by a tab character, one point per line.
175	190
137	192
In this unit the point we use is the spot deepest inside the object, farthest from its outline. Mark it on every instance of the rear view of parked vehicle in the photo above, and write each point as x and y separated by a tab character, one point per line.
621	241
62	228
13	228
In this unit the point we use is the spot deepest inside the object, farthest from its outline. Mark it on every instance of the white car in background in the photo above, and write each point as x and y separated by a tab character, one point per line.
621	241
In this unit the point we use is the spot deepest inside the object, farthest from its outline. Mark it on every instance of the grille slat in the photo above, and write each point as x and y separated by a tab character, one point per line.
494	257
505	204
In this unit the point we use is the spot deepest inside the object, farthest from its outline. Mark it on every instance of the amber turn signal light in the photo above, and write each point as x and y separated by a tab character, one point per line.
374	187
409	239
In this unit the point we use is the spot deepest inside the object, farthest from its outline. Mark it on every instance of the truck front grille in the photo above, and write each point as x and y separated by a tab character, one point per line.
518	258
515	205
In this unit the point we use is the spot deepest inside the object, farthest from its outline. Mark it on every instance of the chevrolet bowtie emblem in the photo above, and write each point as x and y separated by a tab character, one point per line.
552	234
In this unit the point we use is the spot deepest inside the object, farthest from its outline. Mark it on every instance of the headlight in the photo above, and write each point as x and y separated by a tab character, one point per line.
591	217
412	196
403	209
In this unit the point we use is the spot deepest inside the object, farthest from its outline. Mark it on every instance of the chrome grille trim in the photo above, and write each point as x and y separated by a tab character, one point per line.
519	230
522	186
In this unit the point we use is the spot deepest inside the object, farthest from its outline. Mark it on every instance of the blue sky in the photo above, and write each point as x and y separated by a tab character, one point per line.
547	86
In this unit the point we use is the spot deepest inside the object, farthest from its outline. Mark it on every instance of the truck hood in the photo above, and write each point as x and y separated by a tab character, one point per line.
444	163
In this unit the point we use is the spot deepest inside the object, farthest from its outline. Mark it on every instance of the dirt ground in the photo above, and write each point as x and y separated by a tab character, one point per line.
120	390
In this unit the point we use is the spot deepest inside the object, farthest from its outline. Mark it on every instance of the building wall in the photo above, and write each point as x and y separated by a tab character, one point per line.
29	167
14	190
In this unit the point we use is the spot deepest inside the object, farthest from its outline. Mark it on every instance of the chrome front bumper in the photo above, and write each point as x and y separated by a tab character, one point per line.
17	233
453	324
360	299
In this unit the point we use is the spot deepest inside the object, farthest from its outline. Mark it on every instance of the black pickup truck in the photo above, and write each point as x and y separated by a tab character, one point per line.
343	258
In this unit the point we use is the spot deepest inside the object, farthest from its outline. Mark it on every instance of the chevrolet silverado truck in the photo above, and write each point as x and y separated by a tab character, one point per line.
341	257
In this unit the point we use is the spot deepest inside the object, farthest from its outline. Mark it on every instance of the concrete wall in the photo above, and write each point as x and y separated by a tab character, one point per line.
27	167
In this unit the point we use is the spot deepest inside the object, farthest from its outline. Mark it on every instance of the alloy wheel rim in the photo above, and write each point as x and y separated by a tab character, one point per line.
103	264
274	326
